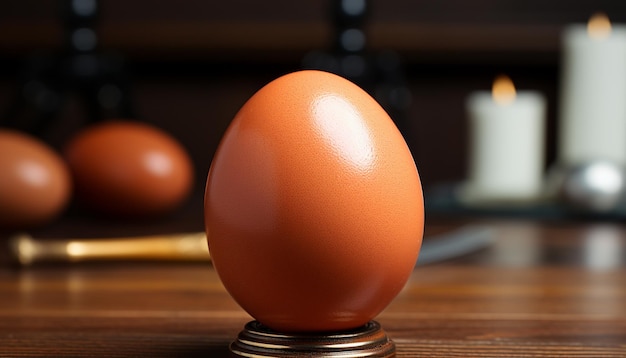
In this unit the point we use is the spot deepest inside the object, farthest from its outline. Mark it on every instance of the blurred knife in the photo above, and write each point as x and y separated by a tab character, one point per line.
26	250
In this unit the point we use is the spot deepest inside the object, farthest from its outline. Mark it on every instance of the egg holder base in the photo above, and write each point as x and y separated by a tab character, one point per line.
259	341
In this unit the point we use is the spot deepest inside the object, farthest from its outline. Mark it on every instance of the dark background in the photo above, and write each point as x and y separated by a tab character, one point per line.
194	63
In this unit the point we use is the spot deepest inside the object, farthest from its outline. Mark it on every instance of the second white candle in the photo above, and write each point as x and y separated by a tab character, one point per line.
507	146
593	98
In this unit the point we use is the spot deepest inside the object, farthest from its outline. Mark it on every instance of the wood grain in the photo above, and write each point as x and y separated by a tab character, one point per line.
537	292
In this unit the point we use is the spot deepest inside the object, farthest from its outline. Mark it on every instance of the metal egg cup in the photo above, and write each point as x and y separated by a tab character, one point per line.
597	186
259	341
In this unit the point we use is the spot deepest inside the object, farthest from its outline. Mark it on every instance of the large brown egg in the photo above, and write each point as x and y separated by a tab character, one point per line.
35	184
313	205
126	168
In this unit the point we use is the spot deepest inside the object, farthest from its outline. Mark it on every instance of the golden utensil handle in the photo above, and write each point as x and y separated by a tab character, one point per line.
176	247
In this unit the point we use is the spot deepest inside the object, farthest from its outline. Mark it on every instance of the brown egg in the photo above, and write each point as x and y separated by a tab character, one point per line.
313	205
35	184
128	168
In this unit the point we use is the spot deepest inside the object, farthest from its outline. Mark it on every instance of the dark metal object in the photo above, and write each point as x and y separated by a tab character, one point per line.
259	341
46	81
381	74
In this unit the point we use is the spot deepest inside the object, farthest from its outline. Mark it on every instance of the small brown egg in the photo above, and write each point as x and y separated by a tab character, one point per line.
35	184
128	168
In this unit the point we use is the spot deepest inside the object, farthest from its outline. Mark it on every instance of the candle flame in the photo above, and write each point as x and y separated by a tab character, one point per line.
599	26
503	90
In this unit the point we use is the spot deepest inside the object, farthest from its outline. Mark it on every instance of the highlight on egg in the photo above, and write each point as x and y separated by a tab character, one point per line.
35	184
127	168
313	205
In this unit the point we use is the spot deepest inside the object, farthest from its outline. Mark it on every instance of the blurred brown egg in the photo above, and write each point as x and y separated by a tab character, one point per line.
35	184
128	168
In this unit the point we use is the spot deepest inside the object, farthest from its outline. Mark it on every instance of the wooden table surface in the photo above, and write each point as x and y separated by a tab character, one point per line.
541	290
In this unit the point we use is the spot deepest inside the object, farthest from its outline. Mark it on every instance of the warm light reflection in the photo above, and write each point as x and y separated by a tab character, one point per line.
33	173
519	246
599	26
74	249
159	164
503	90
344	129
603	248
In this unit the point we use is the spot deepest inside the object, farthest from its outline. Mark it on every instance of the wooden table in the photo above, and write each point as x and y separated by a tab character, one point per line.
541	290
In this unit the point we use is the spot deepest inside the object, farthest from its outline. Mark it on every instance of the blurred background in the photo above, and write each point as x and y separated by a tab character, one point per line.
190	65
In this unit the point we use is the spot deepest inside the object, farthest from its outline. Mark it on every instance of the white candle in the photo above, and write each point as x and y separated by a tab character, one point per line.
507	144
593	93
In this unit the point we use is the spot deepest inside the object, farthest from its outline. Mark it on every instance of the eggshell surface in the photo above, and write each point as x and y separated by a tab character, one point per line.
129	169
313	205
35	184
